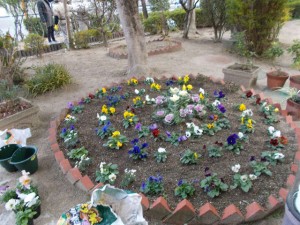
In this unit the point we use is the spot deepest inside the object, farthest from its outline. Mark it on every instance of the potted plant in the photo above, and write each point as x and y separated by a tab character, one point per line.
246	73
276	78
25	217
293	103
295	51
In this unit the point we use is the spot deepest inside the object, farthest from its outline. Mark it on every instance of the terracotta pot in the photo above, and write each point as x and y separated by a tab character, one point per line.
293	109
295	82
276	79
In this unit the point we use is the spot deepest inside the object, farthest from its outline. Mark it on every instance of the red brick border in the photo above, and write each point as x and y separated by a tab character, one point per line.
176	45
185	211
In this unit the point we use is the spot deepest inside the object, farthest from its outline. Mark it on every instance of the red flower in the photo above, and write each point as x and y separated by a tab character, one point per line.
258	100
155	132
249	94
283	140
274	142
91	96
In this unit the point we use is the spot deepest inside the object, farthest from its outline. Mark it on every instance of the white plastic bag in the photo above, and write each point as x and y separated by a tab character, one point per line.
14	136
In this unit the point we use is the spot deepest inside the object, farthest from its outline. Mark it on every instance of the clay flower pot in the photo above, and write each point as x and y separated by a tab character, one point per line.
295	82
276	79
293	109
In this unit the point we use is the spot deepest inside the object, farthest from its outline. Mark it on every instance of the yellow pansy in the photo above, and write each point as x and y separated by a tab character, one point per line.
249	121
104	90
189	87
119	144
184	87
130	120
210	125
276	110
84	208
242	107
126	114
179	78
201	96
186	79
242	120
195	155
249	125
68	116
157	86
112	110
116	133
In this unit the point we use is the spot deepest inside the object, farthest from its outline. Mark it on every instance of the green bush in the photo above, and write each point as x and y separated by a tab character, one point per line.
82	38
48	78
34	25
34	42
153	24
260	20
294	5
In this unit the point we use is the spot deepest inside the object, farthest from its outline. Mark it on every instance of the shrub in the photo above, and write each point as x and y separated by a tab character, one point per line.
34	42
294	6
82	38
34	25
260	20
48	78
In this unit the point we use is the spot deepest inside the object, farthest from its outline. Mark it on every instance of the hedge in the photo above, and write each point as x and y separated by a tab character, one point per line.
295	8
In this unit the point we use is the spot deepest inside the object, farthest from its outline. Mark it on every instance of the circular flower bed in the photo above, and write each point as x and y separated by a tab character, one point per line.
180	138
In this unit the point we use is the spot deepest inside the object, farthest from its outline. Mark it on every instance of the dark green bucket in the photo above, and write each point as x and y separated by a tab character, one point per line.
6	153
25	158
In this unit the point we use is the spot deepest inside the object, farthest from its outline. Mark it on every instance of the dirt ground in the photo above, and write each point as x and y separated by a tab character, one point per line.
91	69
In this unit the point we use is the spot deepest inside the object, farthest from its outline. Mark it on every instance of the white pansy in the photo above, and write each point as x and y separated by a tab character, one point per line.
216	103
276	134
112	177
101	164
244	178
241	135
198	131
236	168
147	98
278	155
103	118
136	91
183	93
264	104
174	90
187	134
247	112
271	129
98	116
252	177
31	199
201	90
189	125
150	79
267	108
174	98
21	196
161	150
11	204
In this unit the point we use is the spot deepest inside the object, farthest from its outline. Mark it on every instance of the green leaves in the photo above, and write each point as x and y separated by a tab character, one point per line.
184	189
213	185
261	168
189	157
77	153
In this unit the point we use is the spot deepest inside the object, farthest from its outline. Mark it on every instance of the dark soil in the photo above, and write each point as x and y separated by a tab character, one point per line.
9	108
172	170
243	67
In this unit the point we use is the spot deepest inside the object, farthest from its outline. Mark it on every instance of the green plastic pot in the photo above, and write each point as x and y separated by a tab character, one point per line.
6	153
25	158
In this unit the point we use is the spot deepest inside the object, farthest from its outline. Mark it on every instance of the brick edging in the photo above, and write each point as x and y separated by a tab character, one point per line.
185	211
176	45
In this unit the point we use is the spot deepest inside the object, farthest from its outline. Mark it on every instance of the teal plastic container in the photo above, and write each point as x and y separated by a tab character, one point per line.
6	153
25	158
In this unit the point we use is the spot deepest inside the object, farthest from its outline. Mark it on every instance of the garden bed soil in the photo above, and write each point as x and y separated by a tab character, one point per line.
172	170
11	107
243	67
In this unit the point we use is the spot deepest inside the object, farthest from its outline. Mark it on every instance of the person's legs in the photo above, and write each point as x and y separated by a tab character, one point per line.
52	33
49	34
63	28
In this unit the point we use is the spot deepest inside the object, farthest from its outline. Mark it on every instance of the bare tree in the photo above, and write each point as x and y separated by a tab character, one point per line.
135	37
144	7
193	26
188	6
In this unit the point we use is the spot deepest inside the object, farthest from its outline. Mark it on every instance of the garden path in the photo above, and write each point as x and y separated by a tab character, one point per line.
91	69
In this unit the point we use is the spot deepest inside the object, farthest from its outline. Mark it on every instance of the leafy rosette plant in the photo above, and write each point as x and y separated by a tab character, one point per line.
77	153
184	189
169	119
102	119
101	92
159	114
108	110
183	80
241	107
211	128
83	163
193	130
213	186
199	110
234	144
129	177
106	131
116	141
270	113
76	109
129	119
139	92
143	131
70	136
138	102
138	152
247	125
217	108
189	157
161	155
215	150
153	186
69	119
108	173
149	80
155	132
132	82
272	157
203	96
260	168
160	100
219	94
174	138
242	181
23	217
248	94
148	100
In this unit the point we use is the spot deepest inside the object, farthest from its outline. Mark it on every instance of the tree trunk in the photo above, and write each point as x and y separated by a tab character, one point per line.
145	12
188	18
193	27
134	36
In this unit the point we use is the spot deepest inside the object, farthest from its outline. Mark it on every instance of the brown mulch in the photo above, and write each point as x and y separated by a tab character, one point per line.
172	170
11	107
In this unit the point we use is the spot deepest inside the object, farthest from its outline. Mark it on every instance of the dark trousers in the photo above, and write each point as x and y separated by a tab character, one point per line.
51	34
